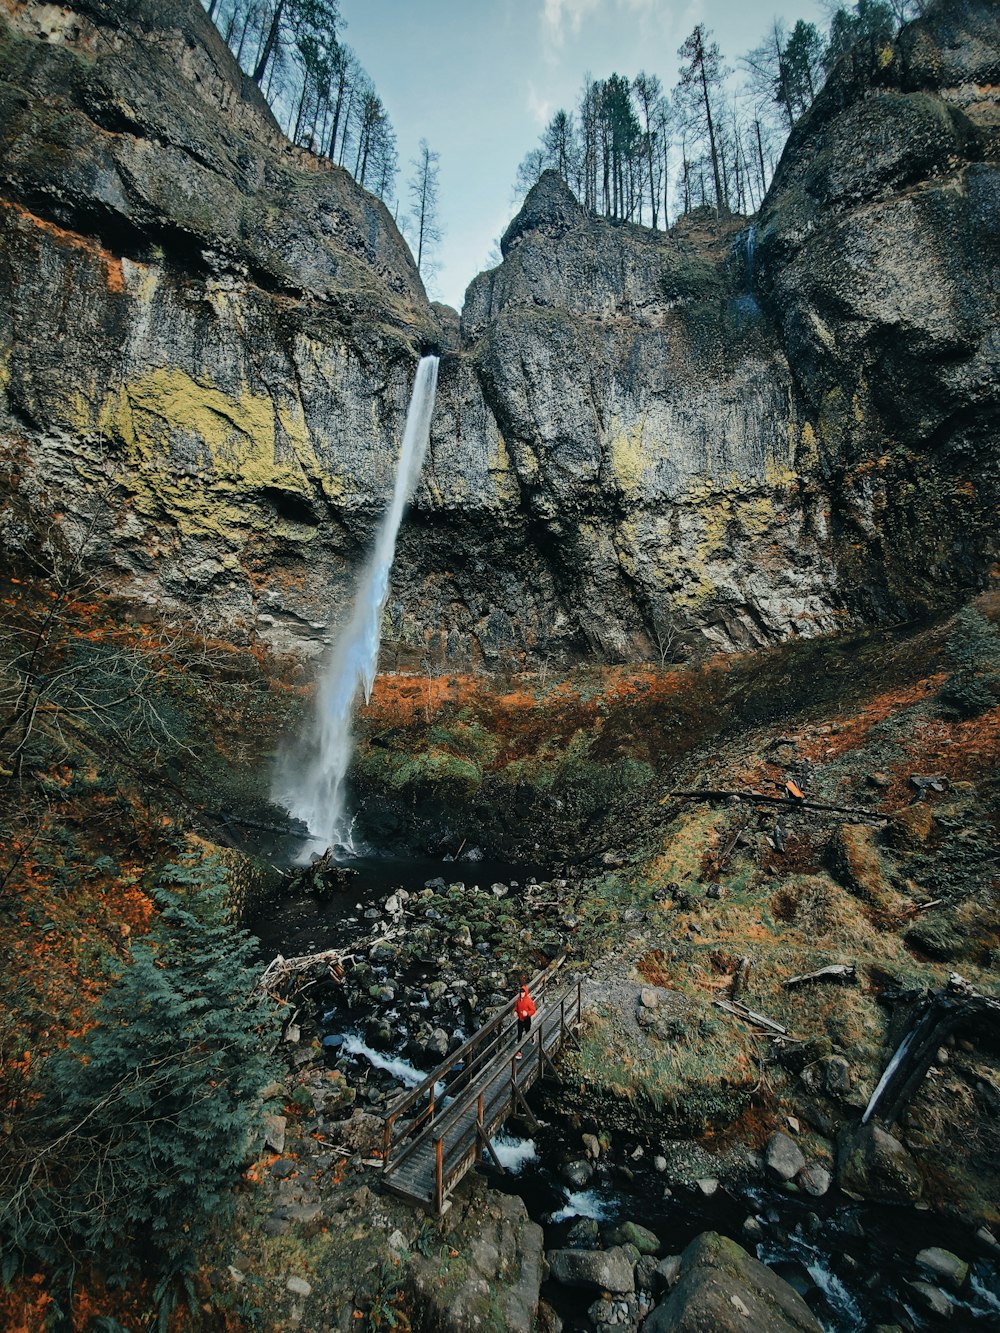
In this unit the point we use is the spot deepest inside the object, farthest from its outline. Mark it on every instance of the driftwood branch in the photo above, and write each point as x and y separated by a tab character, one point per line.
780	802
281	972
842	972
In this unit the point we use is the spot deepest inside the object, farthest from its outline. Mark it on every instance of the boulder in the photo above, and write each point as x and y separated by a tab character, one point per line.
577	1174
874	1165
783	1157
644	1240
274	1132
932	1299
584	1235
815	1180
503	1273
722	1289
837	1076
600	1270
943	1266
436	1045
666	1273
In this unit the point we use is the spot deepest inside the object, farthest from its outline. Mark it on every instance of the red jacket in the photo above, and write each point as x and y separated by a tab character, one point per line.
524	1005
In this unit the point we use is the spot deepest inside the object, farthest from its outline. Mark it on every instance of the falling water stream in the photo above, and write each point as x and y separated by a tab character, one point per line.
310	782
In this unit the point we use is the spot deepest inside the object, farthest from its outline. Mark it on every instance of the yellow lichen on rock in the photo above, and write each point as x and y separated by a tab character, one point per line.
630	458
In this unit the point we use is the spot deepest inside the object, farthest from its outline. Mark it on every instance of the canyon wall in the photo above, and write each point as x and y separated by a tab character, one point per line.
645	444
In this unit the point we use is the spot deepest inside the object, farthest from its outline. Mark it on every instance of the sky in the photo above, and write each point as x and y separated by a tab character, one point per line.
479	79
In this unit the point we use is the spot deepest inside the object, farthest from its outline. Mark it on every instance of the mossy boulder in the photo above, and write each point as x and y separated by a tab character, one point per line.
724	1289
854	859
873	1164
912	828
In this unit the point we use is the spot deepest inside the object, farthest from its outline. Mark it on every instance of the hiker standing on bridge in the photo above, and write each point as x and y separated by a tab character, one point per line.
524	1007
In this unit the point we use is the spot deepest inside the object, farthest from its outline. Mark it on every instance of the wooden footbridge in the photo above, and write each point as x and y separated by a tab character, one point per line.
435	1132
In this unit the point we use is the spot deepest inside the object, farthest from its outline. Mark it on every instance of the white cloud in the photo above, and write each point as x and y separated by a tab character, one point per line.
539	108
560	15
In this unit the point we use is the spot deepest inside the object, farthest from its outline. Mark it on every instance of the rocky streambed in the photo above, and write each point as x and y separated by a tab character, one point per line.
610	1222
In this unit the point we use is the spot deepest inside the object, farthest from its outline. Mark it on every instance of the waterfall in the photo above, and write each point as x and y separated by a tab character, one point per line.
310	781
750	252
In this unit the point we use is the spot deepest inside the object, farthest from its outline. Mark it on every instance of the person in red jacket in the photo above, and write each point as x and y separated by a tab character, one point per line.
524	1007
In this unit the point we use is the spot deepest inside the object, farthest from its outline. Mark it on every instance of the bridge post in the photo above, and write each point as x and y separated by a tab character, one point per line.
439	1175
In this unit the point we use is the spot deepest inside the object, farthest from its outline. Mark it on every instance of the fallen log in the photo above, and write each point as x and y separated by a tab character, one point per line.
841	972
784	802
739	1010
937	1016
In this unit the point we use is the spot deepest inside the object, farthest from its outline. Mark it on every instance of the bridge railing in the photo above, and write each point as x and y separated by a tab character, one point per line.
473	1055
453	1161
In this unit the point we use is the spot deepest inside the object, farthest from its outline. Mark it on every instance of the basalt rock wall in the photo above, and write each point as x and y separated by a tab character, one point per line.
643	443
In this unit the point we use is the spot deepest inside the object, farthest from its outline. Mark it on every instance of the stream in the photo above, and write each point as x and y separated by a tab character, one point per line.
853	1262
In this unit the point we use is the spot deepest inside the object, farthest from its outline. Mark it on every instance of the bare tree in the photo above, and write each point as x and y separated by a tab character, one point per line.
424	206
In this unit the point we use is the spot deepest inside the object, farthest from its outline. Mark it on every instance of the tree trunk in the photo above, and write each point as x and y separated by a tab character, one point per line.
269	44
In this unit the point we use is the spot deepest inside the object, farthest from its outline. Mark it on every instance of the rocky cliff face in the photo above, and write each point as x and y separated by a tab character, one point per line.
643	442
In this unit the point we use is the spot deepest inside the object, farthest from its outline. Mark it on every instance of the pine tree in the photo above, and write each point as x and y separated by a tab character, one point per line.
141	1124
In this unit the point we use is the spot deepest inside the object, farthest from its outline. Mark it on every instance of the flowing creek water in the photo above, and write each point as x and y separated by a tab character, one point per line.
852	1261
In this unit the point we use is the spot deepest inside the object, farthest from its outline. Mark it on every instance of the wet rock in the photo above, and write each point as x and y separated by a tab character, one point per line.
874	1165
584	1235
783	1157
591	1146
815	1180
943	1266
274	1132
436	1045
631	1233
667	1272
933	1299
379	1035
837	1076
723	1289
605	1270
577	1174
708	1185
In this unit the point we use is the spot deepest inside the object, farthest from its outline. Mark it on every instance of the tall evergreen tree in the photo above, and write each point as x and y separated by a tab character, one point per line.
701	78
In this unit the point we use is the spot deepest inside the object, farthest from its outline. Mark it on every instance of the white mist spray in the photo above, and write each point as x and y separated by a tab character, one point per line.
310	783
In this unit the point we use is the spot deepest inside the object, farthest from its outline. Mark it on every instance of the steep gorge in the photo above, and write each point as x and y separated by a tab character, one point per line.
644	442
